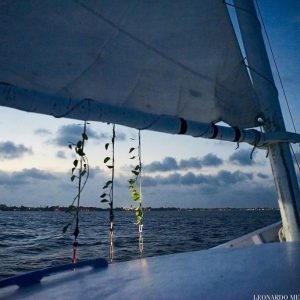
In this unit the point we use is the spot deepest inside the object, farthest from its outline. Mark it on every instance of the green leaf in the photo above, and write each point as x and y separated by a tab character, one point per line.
106	159
73	169
135	195
104	200
106	146
84	136
73	177
103	195
75	163
135	173
137	167
83	173
110	167
132	157
79	144
70	146
131	149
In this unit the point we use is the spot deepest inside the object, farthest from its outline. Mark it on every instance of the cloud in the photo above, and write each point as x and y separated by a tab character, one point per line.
211	160
23	177
72	133
94	171
229	178
192	162
61	154
222	178
149	181
242	158
179	190
170	163
9	150
121	136
263	176
42	132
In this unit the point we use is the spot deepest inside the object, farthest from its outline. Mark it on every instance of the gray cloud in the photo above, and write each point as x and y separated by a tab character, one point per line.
211	160
223	178
188	190
242	158
192	162
42	132
121	136
170	163
9	150
61	154
94	171
23	177
72	133
262	176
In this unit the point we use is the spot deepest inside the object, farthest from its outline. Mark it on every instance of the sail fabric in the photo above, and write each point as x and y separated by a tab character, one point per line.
165	57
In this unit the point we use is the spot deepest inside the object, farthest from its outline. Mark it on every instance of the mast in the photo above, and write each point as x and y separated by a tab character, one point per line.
264	86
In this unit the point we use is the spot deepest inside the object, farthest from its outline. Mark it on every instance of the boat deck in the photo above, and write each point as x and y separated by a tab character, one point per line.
241	273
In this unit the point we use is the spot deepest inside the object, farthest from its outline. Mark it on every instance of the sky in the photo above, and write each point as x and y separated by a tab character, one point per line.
178	171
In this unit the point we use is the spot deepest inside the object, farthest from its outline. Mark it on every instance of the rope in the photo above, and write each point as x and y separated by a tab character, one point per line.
294	154
111	242
80	187
141	240
111	204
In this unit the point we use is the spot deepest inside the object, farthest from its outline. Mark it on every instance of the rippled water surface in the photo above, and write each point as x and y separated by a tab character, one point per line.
34	240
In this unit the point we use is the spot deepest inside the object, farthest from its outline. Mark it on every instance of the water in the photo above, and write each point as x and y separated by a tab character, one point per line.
34	240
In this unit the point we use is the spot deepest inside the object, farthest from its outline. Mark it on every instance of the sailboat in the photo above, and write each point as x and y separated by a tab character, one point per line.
167	66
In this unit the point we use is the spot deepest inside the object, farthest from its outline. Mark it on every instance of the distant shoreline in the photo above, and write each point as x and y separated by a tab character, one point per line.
4	207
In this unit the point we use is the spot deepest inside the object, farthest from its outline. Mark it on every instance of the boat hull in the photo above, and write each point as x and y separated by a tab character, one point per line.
240	273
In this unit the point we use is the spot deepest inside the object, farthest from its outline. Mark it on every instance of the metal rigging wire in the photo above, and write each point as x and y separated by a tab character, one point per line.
279	77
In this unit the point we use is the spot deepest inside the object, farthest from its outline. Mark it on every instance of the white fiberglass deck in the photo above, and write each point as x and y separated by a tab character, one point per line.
268	269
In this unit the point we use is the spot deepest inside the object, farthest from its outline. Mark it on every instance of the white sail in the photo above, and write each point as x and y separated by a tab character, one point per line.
170	57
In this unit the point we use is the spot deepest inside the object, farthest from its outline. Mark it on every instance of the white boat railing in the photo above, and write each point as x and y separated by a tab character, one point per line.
268	234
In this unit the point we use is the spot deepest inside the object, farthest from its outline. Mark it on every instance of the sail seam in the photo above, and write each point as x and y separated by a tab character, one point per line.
148	46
